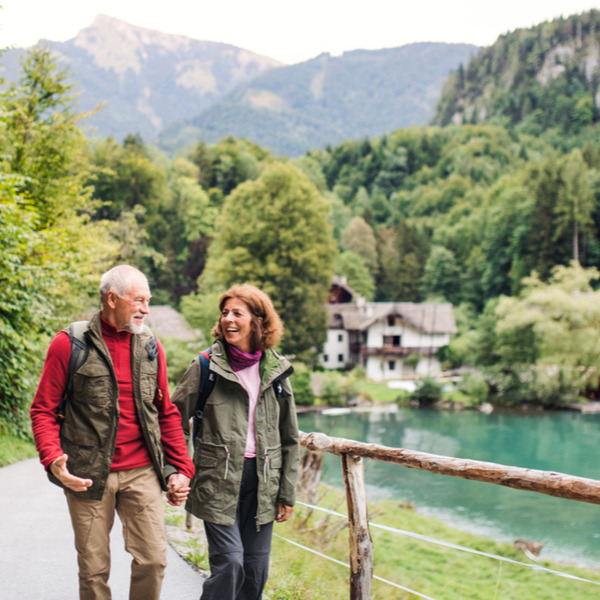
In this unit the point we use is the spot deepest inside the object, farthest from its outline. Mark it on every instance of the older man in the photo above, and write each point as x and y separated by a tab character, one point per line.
118	424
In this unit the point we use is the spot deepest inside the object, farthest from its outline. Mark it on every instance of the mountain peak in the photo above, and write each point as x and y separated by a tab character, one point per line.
118	45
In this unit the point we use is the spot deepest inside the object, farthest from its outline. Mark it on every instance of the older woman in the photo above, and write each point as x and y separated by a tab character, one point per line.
247	452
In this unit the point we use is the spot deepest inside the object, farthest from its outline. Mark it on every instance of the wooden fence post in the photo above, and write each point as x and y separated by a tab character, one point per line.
361	546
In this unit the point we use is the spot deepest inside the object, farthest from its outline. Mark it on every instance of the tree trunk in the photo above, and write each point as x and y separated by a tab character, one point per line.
576	242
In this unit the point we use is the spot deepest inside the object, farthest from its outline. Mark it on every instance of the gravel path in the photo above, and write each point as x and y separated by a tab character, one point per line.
37	553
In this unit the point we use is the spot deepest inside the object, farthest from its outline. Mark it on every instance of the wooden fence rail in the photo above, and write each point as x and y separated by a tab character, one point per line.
352	453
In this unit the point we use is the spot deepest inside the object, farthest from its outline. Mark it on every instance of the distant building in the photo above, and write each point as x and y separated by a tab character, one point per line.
340	292
166	322
381	336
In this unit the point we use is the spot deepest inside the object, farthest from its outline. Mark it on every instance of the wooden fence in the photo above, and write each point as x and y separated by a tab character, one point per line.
352	454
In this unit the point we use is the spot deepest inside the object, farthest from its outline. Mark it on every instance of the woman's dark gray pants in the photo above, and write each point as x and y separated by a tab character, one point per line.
238	554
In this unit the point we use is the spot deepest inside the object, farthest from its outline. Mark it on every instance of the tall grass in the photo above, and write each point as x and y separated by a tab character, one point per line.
13	449
442	573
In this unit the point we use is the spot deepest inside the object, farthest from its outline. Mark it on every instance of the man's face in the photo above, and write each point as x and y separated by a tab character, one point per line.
130	310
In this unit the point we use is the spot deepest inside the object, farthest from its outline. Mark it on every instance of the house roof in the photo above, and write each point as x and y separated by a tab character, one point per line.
165	321
428	318
340	284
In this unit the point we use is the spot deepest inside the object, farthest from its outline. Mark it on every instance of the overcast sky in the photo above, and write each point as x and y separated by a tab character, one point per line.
289	31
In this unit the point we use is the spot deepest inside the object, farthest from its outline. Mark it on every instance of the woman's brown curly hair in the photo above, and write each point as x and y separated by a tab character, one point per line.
264	335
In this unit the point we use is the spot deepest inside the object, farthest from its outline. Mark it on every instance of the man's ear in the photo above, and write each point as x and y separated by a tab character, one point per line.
111	299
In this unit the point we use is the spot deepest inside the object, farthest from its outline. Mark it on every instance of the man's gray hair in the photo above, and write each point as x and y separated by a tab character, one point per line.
119	280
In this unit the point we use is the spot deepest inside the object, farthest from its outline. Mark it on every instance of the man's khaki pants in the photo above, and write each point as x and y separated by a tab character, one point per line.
137	497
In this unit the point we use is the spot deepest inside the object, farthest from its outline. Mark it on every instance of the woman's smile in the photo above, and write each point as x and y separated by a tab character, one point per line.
236	323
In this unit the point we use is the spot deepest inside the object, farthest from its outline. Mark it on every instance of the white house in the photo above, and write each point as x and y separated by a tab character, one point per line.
381	336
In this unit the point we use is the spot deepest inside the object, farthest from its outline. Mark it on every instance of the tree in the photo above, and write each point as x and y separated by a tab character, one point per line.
125	176
563	313
354	269
41	139
52	256
273	233
25	306
402	252
576	202
442	276
359	238
547	338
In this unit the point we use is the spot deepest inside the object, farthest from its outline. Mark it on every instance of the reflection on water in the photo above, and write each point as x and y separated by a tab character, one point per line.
559	441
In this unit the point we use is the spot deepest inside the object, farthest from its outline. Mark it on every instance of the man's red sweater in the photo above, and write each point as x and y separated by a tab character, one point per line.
130	448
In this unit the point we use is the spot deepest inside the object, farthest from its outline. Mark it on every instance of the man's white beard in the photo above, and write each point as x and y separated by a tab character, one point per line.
132	326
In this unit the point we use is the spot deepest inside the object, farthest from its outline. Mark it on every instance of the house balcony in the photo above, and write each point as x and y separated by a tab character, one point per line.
399	351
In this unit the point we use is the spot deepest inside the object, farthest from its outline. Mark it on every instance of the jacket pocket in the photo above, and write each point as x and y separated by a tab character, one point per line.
212	464
209	456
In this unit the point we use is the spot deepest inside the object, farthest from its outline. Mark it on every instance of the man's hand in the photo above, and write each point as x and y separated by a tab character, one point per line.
179	488
284	512
60	471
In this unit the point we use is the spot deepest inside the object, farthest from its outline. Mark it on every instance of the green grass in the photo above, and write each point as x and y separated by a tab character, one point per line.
14	449
430	569
378	392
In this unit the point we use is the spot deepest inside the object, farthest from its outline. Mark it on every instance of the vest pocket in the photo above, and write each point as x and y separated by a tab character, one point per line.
80	446
148	381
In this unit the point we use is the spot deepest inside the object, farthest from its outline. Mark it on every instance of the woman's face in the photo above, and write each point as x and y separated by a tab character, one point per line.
236	324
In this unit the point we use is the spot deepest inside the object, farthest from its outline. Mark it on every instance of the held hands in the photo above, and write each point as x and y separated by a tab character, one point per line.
179	488
284	512
60	471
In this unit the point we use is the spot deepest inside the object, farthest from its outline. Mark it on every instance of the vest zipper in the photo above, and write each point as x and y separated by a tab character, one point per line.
226	462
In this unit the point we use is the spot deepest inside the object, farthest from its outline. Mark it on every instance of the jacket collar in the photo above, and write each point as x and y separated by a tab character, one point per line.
272	365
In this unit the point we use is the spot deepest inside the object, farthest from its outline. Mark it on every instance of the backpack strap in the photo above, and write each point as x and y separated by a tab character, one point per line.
79	354
278	385
205	388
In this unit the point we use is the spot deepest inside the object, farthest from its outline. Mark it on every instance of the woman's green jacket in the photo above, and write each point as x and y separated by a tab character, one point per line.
219	448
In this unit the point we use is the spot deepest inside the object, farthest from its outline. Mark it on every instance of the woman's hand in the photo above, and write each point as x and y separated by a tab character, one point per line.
178	489
284	512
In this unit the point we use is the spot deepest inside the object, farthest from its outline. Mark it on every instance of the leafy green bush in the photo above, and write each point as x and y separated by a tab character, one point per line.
475	387
332	392
544	385
202	312
300	380
179	357
428	393
412	360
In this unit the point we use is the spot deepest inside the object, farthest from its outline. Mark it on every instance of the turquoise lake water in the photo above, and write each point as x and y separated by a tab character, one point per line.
566	442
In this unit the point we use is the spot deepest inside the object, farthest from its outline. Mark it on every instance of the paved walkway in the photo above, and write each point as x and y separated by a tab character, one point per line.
37	553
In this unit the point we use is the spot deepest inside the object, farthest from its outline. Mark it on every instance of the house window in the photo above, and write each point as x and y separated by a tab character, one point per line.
391	321
340	337
325	357
340	358
392	340
392	365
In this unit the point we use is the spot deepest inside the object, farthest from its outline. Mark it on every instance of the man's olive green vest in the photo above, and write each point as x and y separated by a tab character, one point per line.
89	431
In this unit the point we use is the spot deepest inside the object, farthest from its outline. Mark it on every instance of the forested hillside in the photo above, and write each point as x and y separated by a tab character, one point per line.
328	99
502	223
543	79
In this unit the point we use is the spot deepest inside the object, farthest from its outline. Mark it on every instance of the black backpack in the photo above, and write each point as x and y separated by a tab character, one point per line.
205	388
